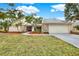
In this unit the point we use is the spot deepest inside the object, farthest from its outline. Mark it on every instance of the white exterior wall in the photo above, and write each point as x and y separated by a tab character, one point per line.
15	29
54	28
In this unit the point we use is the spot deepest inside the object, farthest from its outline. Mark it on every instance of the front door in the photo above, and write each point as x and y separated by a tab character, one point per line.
29	28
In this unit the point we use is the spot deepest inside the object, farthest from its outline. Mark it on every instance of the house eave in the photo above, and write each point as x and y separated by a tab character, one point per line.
59	23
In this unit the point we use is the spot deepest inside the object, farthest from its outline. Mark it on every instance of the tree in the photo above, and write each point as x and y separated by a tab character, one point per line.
2	15
71	11
4	21
34	20
77	27
11	4
5	24
10	17
6	18
19	17
29	18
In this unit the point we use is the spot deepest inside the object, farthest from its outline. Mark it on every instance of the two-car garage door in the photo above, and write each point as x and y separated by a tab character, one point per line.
58	28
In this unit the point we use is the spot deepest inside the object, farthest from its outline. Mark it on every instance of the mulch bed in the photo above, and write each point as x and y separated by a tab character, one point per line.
11	32
72	32
37	33
23	32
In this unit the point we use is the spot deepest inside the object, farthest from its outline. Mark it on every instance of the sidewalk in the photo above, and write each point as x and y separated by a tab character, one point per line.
36	34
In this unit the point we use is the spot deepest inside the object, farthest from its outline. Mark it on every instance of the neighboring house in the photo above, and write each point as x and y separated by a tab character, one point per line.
75	26
56	26
76	22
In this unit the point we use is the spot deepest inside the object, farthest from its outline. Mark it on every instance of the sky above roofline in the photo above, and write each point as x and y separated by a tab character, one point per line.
45	10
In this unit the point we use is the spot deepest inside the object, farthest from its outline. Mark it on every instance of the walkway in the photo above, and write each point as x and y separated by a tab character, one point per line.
35	34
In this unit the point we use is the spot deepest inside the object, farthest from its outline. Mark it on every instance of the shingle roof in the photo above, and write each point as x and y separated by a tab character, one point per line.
56	21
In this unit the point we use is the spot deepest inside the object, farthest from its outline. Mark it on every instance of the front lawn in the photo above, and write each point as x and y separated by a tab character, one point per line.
19	45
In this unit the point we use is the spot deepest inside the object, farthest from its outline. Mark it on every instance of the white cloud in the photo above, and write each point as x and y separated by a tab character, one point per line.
32	3
29	3
61	18
36	16
58	7
52	10
28	9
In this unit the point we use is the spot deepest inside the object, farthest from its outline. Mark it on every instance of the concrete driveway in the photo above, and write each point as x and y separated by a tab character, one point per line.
70	38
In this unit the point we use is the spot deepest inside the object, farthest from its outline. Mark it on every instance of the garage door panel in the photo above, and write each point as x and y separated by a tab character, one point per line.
58	29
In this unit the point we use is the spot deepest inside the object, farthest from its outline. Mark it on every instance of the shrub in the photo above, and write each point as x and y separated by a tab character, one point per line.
77	27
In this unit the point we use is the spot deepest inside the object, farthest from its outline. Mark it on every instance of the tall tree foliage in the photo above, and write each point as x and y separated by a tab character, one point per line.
4	21
71	11
33	19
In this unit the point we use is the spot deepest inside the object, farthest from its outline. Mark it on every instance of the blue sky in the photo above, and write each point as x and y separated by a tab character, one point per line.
46	10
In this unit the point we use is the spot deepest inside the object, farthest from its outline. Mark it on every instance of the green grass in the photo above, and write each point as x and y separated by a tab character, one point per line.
19	45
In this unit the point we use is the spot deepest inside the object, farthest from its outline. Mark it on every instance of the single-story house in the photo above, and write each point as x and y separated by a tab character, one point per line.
25	28
56	26
48	26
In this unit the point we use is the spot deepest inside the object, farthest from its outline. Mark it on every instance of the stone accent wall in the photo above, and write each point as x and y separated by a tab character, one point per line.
45	28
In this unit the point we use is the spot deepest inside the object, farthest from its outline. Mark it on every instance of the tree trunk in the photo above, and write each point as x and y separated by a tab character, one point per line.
6	29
